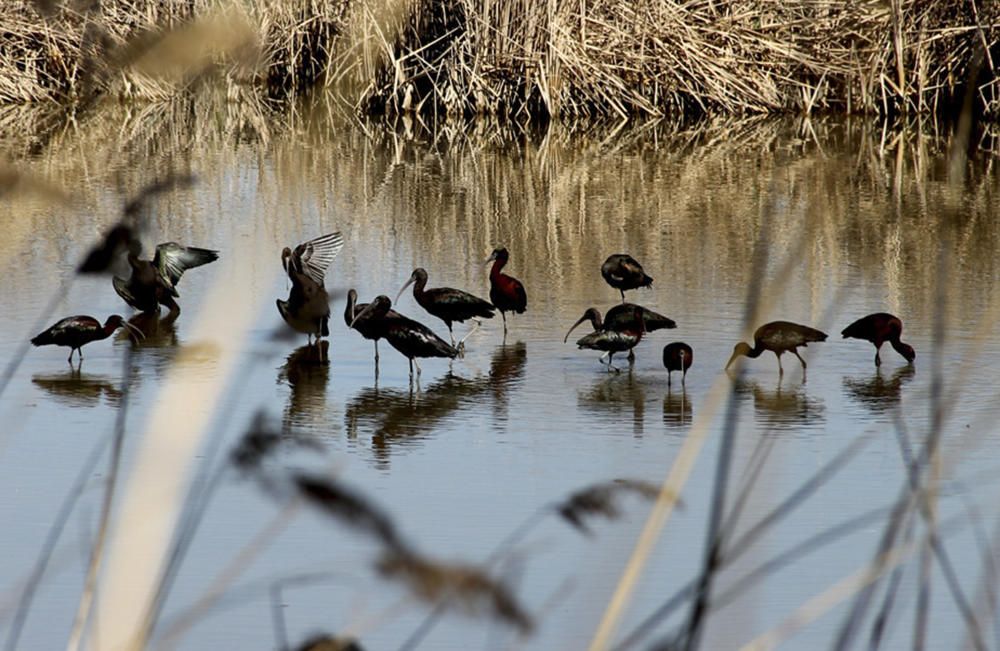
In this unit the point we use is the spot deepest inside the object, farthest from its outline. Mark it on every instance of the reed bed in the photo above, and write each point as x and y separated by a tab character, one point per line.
530	60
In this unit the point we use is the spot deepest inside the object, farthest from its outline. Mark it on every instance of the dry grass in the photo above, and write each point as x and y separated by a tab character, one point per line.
564	58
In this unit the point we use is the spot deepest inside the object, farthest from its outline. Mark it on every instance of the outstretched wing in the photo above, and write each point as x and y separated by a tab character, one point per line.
172	260
313	257
122	288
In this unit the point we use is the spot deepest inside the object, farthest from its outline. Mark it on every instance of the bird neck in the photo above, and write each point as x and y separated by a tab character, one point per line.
898	345
498	264
756	351
418	286
108	330
352	301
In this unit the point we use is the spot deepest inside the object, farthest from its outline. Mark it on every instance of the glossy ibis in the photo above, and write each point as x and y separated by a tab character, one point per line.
506	292
623	316
369	327
677	356
409	337
610	341
778	337
879	328
623	272
307	309
447	304
154	282
75	332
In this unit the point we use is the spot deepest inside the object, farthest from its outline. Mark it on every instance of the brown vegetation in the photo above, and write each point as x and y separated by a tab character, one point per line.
566	58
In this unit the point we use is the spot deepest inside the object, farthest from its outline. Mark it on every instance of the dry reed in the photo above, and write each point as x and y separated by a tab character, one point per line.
564	58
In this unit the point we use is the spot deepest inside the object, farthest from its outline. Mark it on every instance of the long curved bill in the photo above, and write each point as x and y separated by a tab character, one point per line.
362	313
493	256
403	289
583	318
134	330
732	359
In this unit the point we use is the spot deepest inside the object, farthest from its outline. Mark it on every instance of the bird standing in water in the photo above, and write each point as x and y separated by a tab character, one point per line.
447	304
75	332
307	309
368	327
778	337
622	317
623	272
506	292
677	356
154	282
879	328
409	337
626	337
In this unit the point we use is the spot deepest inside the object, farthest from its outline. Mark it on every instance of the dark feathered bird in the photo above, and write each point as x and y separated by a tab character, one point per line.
368	327
506	292
75	332
154	282
626	337
307	309
623	317
879	328
677	356
778	337
409	337
623	272
446	303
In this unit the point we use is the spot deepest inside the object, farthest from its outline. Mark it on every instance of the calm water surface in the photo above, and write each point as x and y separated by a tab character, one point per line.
819	223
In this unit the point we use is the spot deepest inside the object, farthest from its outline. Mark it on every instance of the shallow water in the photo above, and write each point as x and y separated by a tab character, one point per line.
818	222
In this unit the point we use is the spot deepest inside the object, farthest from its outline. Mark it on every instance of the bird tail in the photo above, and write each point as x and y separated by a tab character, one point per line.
647	281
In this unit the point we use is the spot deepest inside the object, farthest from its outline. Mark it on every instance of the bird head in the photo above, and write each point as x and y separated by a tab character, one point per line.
419	275
377	308
906	350
115	321
500	254
739	349
286	253
591	315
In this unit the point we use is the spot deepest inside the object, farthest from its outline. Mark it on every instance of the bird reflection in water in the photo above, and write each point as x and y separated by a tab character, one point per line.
782	407
77	389
677	409
403	417
617	395
307	372
878	392
506	371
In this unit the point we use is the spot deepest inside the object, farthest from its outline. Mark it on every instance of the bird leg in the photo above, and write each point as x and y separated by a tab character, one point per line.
623	294
504	315
631	355
461	342
411	369
781	371
418	369
611	357
669	373
878	358
70	358
451	334
684	374
796	353
376	354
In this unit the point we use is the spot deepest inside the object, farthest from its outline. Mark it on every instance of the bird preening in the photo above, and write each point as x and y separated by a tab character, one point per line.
154	282
307	309
623	272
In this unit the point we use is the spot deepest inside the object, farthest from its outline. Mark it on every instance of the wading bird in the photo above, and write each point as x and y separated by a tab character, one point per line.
625	338
75	332
447	304
677	356
879	328
409	337
623	272
621	317
778	337
369	327
307	309
154	282
506	292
